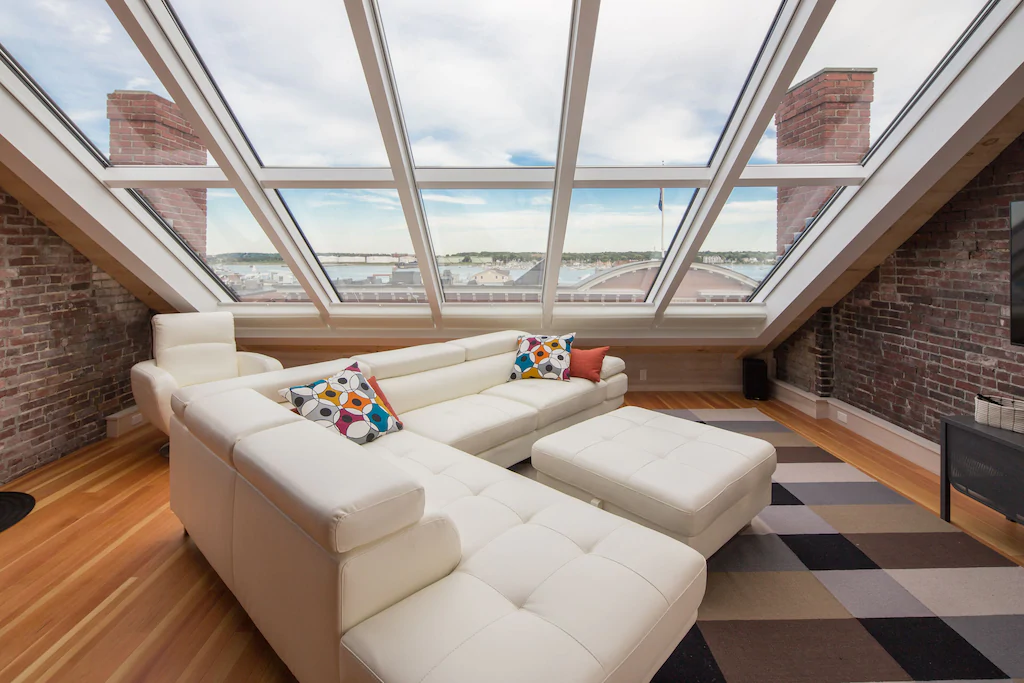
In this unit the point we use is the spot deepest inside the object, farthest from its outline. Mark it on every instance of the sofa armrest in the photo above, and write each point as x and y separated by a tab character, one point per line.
152	387
612	366
377	576
254	363
340	495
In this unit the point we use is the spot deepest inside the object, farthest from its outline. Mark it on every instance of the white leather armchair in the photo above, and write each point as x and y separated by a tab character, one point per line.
190	348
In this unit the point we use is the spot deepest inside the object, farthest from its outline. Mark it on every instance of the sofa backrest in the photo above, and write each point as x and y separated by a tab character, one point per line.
420	376
410	360
195	347
268	384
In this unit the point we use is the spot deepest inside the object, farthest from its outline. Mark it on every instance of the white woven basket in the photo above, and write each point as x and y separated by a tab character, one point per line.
1000	411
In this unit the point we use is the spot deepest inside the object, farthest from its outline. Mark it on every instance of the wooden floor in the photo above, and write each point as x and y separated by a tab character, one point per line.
100	584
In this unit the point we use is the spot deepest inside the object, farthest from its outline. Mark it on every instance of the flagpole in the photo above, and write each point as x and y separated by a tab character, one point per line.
662	202
661	205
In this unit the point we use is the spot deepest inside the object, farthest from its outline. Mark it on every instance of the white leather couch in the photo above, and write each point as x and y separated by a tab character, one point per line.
408	560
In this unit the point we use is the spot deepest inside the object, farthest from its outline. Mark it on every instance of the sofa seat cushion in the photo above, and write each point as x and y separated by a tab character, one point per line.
679	474
472	423
571	586
553	400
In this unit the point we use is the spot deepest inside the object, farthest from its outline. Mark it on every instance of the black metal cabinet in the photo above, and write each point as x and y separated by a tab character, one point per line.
984	463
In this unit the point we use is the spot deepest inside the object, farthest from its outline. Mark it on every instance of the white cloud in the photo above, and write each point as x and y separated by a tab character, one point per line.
140	83
469	200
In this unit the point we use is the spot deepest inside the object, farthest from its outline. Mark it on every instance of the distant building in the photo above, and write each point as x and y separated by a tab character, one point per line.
712	259
491	276
407	276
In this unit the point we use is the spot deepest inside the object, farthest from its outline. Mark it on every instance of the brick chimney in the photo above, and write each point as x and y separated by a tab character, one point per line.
148	130
823	119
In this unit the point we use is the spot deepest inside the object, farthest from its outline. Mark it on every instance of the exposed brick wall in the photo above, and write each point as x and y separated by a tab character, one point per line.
805	360
69	335
929	328
146	129
823	119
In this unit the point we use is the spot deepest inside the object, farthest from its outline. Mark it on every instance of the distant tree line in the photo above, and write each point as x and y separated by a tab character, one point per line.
739	256
582	257
245	257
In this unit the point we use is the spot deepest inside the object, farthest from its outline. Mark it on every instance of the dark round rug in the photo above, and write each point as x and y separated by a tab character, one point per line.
14	507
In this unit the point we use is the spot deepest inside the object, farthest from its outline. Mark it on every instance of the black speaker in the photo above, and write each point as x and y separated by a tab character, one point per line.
755	379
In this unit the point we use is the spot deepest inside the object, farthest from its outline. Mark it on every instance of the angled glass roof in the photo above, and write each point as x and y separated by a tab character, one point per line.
84	60
518	178
616	240
665	78
892	59
489	244
222	233
362	241
480	82
292	78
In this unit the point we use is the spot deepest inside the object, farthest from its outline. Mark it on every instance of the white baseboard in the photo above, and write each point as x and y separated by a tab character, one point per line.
646	386
900	441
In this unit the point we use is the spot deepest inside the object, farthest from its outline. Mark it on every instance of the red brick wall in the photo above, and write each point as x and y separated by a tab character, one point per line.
823	119
805	360
68	336
921	335
146	129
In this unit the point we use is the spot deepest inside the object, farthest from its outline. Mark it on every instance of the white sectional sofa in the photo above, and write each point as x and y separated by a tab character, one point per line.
408	559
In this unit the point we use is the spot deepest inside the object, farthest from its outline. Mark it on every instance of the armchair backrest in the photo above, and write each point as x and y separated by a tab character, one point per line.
195	347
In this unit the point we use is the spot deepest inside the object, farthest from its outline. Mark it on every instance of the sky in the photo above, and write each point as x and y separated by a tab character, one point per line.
480	83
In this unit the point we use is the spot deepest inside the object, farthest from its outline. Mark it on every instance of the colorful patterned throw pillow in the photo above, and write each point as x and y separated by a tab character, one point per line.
543	357
345	402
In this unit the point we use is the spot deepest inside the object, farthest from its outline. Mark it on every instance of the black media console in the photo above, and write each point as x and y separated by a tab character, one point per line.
984	463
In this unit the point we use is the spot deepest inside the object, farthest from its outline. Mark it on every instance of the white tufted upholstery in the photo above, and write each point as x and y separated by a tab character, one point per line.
549	588
682	476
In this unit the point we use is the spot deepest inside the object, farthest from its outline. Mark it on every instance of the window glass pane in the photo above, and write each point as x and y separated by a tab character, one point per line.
665	77
480	82
615	242
489	244
361	238
81	56
755	229
865	70
292	76
222	232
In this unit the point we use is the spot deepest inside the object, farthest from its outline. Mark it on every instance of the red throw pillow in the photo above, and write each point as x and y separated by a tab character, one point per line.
384	399
586	363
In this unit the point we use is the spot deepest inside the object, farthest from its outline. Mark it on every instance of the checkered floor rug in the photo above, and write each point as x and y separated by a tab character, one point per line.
842	579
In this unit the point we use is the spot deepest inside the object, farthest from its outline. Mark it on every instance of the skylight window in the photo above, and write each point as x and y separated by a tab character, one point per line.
665	77
755	229
616	240
480	82
222	233
361	239
292	78
477	101
86	63
887	61
489	244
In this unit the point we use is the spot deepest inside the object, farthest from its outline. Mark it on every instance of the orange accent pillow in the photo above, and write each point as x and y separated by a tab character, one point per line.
586	363
384	399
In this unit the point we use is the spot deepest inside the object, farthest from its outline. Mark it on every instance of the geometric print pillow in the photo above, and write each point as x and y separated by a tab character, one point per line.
543	357
347	403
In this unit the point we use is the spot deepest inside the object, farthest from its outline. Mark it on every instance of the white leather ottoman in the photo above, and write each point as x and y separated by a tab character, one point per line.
696	483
